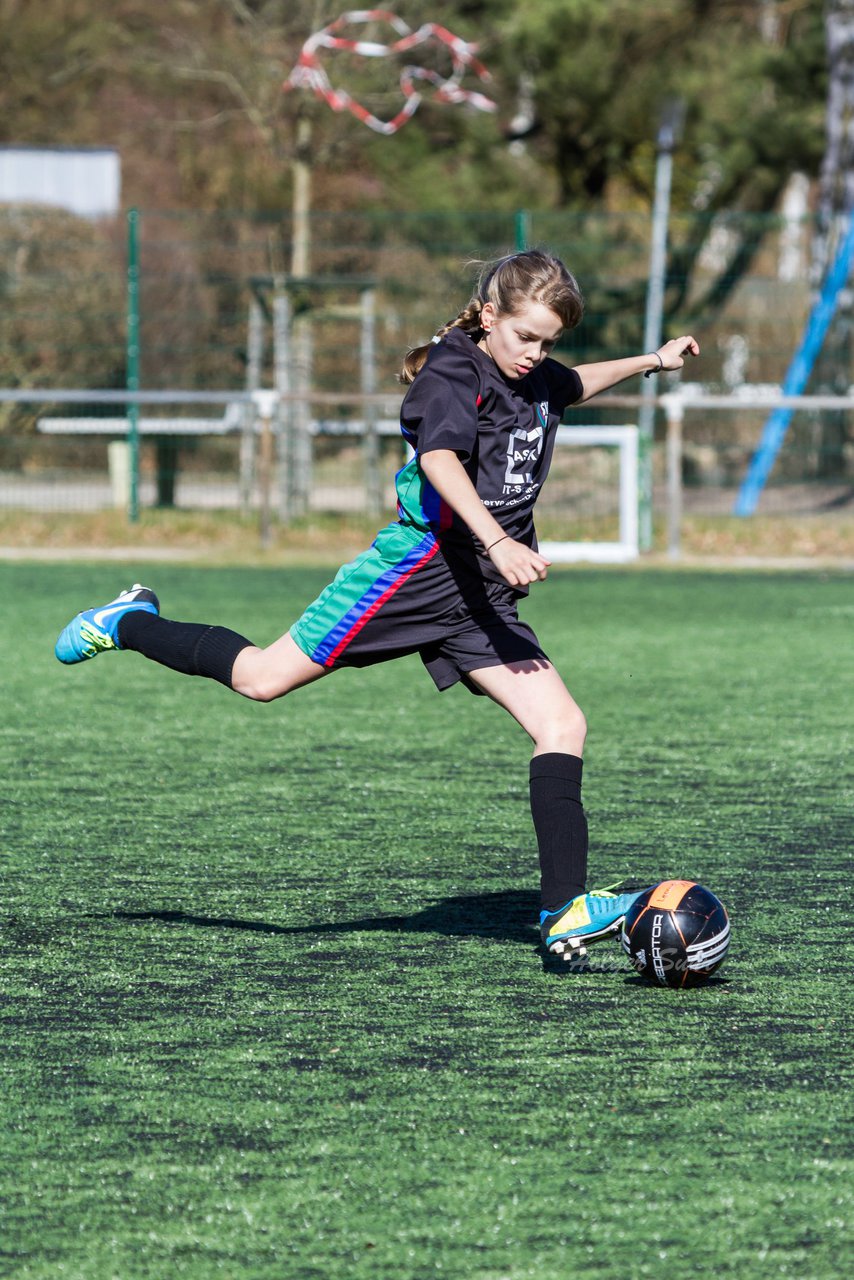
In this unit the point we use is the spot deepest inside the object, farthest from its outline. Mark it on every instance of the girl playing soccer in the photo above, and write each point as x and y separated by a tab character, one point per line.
444	579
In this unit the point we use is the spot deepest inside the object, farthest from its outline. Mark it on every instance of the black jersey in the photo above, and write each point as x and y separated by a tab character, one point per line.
502	430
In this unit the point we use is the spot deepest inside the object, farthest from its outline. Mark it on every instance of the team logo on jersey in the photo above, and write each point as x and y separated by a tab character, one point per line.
523	452
524	449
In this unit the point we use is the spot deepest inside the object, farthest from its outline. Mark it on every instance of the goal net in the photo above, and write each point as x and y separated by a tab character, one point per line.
589	506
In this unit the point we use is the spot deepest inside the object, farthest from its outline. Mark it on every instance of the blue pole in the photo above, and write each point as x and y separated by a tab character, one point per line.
797	376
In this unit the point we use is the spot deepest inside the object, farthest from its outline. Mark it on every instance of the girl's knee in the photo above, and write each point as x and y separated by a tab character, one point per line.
253	678
257	690
574	727
580	723
263	675
565	731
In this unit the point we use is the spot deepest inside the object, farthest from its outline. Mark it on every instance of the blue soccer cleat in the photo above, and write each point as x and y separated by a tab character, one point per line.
587	918
96	630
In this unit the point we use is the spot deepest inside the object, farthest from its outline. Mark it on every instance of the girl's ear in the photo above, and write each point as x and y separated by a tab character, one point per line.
487	316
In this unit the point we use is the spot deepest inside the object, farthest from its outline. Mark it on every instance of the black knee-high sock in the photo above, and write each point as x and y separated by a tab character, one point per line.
561	827
190	647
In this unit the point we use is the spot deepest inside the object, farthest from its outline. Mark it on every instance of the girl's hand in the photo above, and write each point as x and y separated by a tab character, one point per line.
672	352
518	565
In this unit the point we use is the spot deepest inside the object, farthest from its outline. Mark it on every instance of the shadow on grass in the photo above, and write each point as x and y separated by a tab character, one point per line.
710	984
509	916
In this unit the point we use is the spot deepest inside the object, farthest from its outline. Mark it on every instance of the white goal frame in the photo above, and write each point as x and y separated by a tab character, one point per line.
626	547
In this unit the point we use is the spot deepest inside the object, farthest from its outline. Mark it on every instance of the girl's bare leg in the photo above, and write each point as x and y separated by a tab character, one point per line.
265	674
536	696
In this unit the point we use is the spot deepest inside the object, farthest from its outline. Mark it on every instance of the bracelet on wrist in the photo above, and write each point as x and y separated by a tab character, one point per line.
649	372
496	542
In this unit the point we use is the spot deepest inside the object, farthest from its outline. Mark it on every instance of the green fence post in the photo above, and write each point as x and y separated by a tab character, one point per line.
523	230
132	362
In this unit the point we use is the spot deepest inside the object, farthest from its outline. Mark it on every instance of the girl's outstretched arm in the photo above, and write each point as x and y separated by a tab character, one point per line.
517	563
599	377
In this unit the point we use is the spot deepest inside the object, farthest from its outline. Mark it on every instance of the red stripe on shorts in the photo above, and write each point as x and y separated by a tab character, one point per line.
377	605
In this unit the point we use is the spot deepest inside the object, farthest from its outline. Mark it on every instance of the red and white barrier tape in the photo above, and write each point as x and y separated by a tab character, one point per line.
310	74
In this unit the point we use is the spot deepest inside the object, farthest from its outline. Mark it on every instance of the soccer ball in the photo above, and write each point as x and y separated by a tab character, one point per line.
676	934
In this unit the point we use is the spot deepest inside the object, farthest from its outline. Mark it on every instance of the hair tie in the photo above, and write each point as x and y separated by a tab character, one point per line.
649	372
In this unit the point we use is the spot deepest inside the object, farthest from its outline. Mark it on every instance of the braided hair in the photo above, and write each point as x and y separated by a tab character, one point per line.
530	276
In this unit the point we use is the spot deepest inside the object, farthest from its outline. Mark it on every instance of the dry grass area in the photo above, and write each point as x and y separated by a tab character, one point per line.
824	538
220	536
226	538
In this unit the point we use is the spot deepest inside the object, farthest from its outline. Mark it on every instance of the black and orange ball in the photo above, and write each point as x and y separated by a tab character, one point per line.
676	934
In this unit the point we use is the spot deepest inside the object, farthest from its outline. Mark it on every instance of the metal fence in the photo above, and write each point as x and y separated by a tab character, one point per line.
205	304
277	456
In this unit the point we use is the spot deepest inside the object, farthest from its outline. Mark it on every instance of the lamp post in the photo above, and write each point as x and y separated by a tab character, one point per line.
132	362
669	131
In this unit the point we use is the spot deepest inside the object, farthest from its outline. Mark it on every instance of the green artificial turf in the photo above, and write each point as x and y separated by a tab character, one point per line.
272	1004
